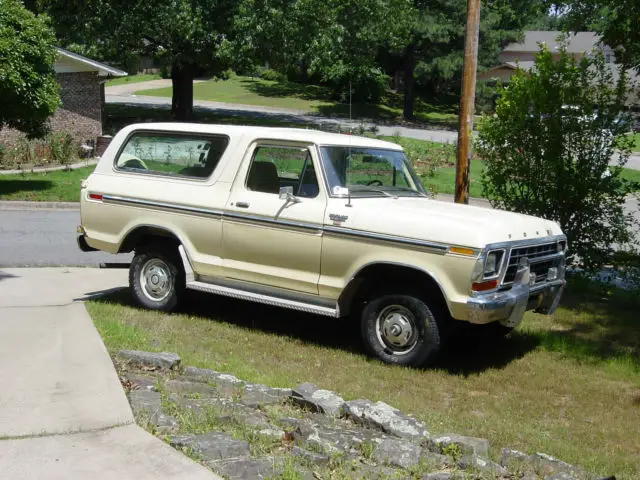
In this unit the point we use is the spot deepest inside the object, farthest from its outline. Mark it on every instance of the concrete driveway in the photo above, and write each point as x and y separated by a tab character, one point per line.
63	413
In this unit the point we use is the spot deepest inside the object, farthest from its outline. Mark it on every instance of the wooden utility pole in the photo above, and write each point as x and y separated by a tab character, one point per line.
467	101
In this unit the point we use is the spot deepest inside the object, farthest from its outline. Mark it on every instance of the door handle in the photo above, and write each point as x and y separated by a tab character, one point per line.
242	205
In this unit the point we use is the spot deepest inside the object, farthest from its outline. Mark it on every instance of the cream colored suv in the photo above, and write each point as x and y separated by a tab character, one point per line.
335	225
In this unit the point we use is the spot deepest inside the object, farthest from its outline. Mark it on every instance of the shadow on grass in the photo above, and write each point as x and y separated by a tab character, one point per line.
287	89
463	357
8	187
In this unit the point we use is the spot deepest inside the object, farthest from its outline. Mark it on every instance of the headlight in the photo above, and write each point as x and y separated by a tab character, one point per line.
493	263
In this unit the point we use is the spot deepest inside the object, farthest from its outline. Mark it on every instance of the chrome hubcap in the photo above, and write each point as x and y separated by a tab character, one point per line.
156	279
396	329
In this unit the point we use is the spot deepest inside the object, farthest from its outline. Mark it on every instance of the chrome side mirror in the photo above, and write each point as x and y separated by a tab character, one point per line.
286	193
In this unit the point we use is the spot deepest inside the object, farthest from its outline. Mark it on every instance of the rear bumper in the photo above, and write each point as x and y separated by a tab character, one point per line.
83	245
508	307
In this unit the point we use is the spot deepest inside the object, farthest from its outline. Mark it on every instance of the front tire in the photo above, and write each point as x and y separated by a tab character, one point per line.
156	277
400	329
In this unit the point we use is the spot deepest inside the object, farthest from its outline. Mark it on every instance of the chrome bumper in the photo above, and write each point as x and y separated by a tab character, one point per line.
509	306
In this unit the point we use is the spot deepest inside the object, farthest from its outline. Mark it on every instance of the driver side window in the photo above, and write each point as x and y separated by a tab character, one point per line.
275	167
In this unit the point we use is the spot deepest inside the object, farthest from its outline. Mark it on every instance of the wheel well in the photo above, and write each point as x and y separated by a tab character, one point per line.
382	278
146	235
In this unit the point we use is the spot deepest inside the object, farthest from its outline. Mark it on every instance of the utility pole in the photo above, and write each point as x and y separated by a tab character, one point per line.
467	101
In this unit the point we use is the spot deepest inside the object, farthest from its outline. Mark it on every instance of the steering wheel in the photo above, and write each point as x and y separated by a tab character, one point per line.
374	182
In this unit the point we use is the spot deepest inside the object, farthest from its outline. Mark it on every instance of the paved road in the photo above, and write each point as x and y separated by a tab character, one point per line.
45	237
123	94
64	414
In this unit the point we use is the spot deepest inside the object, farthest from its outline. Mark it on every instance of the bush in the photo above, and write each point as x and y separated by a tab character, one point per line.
547	151
271	75
63	147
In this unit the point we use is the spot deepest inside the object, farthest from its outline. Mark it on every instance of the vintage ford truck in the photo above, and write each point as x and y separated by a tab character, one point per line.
330	224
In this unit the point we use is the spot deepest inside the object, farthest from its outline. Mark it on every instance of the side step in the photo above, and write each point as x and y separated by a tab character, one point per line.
193	284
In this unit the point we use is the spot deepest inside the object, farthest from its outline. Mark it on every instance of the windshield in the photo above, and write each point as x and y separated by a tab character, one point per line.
369	171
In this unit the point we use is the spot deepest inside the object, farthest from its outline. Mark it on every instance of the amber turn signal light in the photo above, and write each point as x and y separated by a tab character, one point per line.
484	286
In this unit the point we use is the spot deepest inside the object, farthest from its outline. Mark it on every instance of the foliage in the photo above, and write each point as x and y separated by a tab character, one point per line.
59	148
63	147
271	75
616	20
28	88
186	35
548	147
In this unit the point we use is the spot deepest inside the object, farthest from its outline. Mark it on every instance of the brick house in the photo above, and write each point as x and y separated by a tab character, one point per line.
81	82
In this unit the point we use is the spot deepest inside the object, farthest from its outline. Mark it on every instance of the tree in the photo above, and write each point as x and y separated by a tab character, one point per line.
335	40
187	34
616	20
547	151
28	88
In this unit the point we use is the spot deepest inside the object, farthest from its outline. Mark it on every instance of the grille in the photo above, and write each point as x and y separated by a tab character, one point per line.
535	251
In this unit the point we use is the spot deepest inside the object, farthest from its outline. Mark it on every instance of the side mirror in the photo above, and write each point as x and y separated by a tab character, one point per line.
286	193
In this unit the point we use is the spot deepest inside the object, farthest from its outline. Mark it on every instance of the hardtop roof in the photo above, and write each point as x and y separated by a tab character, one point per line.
271	133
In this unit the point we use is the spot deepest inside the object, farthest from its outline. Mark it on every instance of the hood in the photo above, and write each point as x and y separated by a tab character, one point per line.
437	221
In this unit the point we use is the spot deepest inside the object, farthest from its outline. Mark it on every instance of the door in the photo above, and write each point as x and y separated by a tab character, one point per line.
271	240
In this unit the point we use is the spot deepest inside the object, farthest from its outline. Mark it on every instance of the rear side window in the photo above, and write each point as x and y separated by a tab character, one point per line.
192	156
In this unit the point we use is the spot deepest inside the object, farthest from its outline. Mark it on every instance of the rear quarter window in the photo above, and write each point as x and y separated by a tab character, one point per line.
171	154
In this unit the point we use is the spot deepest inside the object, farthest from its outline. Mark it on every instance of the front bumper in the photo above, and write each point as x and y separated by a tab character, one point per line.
508	307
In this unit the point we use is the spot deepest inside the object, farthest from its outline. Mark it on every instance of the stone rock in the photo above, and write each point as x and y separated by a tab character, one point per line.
226	384
434	460
161	360
528	476
437	476
212	446
244	468
386	418
512	458
139	382
199	374
308	395
311	457
334	439
256	395
548	466
272	433
187	387
466	445
147	401
289	423
397	453
482	464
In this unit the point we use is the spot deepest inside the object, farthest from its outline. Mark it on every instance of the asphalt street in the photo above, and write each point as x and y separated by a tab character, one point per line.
45	237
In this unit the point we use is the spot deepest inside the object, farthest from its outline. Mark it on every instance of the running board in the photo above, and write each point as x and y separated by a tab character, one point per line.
193	284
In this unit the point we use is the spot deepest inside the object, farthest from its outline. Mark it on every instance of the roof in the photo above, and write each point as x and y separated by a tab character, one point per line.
275	133
526	66
577	41
73	62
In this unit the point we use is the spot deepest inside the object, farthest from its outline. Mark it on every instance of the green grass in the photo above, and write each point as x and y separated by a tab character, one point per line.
636	142
143	77
567	385
310	98
58	186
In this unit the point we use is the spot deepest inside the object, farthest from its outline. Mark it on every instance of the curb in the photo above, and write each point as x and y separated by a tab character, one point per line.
73	166
22	205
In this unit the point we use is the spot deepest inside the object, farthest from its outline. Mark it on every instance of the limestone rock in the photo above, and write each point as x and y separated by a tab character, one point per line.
188	387
466	445
255	395
244	468
482	464
311	457
386	418
161	360
212	446
397	453
308	395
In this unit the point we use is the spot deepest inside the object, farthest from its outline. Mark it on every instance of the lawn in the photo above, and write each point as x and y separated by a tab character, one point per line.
565	385
58	186
636	142
143	77
310	98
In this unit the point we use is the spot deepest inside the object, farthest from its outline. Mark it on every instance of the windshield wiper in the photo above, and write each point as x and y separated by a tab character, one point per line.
368	188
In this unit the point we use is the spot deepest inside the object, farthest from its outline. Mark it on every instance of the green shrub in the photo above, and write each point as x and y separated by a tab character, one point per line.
227	74
271	75
63	147
547	151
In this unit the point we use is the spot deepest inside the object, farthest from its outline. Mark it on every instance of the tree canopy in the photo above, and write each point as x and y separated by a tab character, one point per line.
186	34
28	88
616	20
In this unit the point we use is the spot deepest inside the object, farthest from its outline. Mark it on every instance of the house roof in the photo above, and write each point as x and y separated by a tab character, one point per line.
576	42
68	62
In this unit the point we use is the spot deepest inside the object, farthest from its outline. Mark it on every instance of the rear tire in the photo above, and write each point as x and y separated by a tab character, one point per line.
156	277
401	330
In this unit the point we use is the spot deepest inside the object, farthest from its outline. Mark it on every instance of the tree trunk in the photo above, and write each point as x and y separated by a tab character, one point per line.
182	100
409	82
